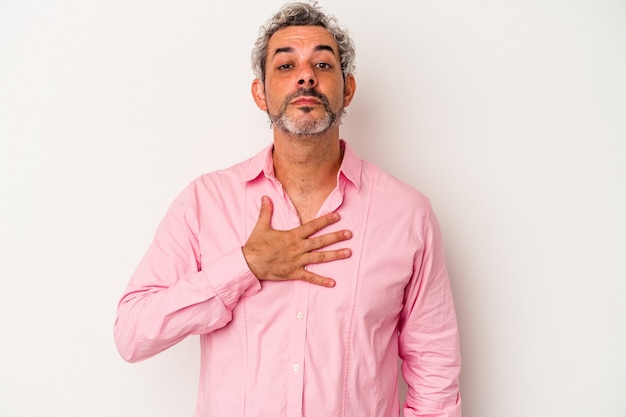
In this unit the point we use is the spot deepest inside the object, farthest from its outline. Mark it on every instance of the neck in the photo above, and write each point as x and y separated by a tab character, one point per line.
307	158
307	168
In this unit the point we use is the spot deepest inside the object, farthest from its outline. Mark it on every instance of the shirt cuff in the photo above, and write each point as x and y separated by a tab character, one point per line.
231	278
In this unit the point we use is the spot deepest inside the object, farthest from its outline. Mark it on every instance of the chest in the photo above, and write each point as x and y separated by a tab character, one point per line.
370	284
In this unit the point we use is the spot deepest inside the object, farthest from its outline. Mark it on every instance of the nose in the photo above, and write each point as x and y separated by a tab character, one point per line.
306	77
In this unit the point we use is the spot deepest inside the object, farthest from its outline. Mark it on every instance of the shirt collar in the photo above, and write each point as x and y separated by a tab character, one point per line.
350	165
263	163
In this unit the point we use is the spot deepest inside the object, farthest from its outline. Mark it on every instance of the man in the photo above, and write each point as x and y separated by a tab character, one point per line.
305	270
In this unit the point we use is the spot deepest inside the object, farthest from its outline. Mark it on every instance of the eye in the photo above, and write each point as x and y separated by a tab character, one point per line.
323	65
285	67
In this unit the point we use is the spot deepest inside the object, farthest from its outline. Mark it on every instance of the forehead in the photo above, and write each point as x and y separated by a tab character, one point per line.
301	38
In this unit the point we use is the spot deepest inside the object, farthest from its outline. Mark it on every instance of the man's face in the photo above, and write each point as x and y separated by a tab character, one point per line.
304	91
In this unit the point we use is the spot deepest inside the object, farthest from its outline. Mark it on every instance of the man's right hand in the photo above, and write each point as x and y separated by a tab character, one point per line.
276	255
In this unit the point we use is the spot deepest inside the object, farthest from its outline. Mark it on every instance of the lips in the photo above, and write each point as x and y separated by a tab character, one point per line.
306	101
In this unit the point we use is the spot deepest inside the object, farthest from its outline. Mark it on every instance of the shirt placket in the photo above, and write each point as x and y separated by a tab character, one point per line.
296	366
298	313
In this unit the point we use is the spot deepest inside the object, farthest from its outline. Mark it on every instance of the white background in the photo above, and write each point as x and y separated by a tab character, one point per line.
510	115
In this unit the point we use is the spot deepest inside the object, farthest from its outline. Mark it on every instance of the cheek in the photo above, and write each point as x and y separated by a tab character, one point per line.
336	95
272	98
272	103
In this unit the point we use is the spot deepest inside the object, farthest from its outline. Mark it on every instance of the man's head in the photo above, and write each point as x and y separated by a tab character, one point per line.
304	64
302	14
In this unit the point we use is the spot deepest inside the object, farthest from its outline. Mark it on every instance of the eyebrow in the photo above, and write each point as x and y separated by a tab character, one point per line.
289	49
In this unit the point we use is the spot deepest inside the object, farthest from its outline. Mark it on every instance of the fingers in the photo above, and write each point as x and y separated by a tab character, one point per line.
317	279
328	239
321	257
313	226
326	256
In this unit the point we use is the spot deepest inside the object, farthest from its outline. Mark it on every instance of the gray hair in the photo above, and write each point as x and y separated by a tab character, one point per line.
302	14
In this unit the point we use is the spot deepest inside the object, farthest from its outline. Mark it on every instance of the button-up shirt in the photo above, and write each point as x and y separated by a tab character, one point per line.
291	348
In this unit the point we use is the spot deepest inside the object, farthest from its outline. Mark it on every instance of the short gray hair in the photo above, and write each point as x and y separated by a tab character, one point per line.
302	14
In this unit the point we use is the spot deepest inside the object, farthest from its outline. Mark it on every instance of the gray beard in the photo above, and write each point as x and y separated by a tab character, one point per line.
303	127
296	127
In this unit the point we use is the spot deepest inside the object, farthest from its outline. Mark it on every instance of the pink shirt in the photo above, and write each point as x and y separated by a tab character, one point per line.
283	349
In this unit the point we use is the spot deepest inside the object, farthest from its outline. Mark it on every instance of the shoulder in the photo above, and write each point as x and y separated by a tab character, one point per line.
396	208
382	187
219	188
395	192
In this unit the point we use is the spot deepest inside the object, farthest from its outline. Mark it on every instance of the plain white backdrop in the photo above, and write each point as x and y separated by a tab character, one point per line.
510	115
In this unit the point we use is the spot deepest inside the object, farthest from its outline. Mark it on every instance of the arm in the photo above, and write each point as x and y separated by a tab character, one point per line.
429	342
170	295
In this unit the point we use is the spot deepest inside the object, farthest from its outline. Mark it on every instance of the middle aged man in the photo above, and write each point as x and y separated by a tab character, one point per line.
305	270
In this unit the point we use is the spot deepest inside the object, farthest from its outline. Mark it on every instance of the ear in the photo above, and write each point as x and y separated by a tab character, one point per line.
258	94
349	88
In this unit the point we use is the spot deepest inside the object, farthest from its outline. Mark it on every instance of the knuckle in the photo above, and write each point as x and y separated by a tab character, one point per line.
307	277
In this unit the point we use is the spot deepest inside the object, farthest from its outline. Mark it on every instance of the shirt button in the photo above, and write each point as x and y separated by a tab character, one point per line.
296	367
300	315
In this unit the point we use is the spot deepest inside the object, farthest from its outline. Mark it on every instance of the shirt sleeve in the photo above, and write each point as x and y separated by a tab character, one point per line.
429	341
171	296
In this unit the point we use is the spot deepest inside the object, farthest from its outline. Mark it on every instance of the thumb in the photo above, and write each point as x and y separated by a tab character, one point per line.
265	214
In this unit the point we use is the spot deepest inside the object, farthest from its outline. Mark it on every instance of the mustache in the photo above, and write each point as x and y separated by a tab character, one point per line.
308	92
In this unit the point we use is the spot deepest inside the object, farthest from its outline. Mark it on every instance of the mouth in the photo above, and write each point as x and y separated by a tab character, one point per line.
306	101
